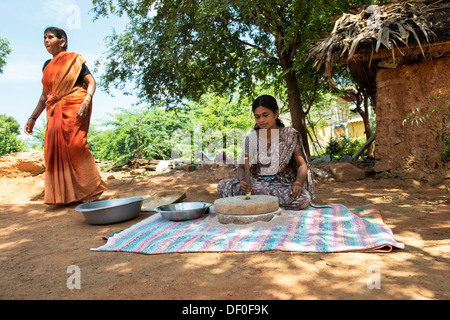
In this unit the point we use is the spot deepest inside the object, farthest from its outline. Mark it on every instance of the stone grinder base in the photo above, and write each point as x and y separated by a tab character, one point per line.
244	219
240	210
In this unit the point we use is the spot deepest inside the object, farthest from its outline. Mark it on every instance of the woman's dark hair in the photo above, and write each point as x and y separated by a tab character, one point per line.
268	102
59	33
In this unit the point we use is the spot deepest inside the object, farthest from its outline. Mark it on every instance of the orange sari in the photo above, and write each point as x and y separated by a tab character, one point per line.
71	174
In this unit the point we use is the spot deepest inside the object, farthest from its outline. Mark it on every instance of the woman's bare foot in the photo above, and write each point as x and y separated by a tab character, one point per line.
93	198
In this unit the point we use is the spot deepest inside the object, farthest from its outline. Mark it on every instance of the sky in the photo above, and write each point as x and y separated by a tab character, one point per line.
23	22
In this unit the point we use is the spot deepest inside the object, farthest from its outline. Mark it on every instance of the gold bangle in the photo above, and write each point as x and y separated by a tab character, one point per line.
298	182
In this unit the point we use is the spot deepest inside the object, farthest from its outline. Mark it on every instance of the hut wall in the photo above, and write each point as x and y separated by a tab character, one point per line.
410	151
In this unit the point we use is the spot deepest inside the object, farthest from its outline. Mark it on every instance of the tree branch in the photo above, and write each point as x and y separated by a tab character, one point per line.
316	82
257	48
294	46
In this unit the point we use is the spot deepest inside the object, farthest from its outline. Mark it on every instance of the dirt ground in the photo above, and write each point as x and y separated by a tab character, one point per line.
38	245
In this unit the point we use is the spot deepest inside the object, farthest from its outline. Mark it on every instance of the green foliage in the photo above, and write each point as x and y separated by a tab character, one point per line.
441	129
133	134
336	148
147	133
182	52
152	133
5	50
182	49
217	115
355	145
9	131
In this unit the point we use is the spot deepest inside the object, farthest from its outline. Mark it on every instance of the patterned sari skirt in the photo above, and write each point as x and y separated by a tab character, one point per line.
268	185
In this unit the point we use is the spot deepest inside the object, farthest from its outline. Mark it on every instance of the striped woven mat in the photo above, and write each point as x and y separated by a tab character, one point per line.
331	228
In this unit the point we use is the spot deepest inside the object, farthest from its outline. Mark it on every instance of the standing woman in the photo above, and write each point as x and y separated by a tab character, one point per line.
279	165
71	174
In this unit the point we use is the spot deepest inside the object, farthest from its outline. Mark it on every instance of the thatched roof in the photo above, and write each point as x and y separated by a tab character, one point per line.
396	31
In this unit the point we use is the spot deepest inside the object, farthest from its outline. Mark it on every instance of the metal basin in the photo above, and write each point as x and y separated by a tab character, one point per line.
184	210
112	210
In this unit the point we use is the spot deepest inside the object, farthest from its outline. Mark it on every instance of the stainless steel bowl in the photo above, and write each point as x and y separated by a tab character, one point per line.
112	210
183	210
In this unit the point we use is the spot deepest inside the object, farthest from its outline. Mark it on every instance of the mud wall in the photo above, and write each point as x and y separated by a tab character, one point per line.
410	150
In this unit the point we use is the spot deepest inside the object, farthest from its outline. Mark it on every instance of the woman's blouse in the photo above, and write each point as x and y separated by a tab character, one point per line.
268	163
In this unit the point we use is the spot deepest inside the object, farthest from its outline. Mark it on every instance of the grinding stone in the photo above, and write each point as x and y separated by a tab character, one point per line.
257	204
245	219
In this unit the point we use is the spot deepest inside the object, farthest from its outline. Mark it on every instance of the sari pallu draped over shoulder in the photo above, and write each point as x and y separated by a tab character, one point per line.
71	174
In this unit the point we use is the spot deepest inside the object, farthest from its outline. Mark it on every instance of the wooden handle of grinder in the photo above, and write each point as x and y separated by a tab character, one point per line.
247	175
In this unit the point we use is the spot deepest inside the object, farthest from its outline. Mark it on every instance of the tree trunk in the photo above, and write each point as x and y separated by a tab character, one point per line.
367	130
295	104
296	109
362	98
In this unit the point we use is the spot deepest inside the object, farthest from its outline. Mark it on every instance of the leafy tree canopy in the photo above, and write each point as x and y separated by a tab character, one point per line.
184	48
151	133
181	49
5	50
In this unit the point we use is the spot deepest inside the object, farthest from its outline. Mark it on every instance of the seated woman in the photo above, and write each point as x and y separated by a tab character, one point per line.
279	166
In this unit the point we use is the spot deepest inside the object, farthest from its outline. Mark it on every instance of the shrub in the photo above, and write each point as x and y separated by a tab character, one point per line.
9	132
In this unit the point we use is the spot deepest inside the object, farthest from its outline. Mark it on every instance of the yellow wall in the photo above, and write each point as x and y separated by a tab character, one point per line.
355	130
